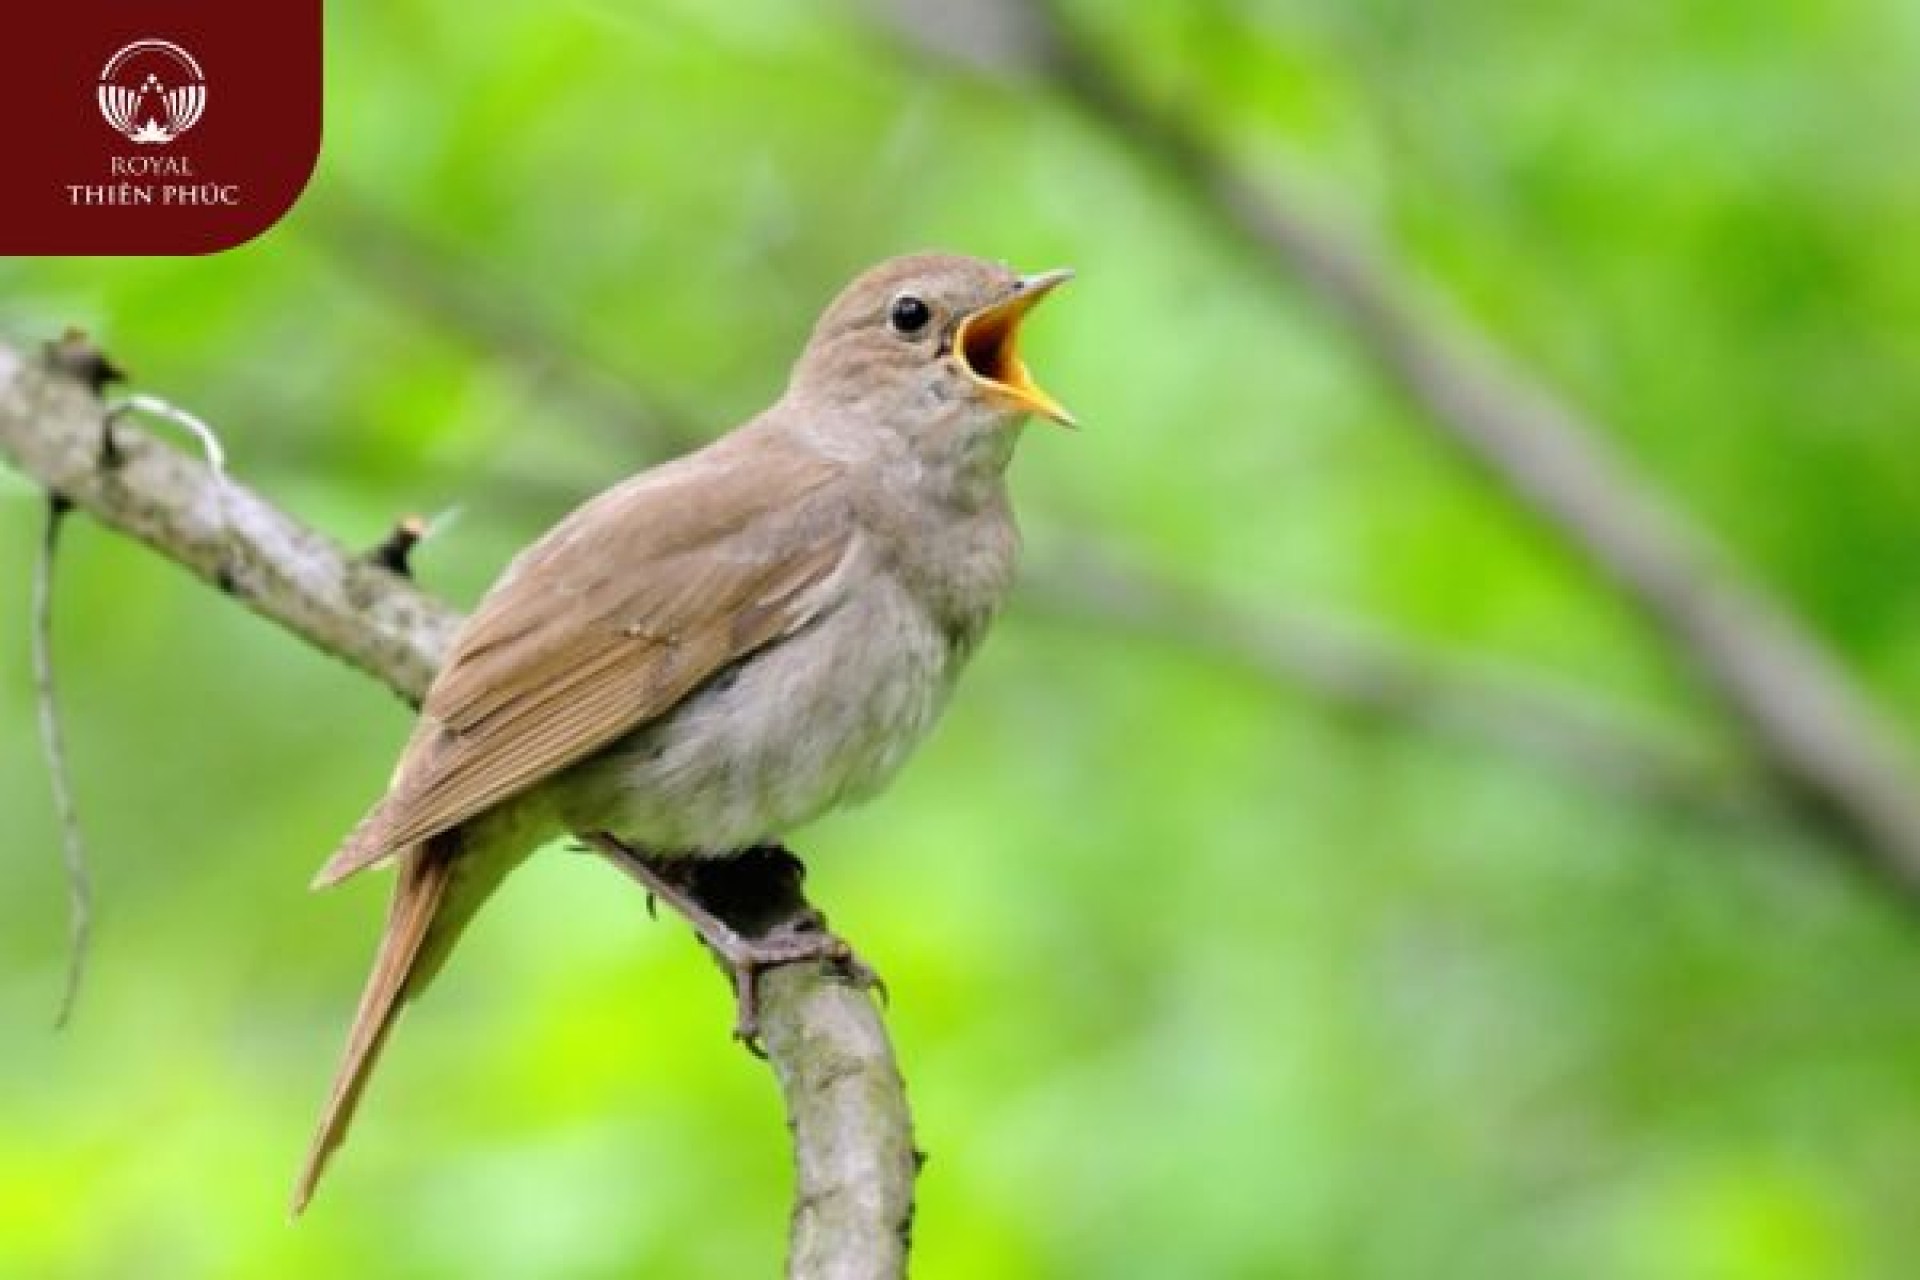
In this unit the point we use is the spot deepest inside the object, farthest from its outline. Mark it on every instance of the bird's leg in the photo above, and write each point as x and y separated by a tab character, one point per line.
749	911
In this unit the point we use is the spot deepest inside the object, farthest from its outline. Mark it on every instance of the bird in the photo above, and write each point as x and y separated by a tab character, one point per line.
722	647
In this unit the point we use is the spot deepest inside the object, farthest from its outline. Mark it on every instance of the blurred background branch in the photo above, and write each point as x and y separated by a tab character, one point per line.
1805	719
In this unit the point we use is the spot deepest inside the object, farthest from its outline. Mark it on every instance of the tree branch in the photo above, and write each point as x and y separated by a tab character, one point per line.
1806	721
846	1106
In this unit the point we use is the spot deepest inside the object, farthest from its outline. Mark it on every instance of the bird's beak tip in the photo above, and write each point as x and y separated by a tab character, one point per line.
1041	282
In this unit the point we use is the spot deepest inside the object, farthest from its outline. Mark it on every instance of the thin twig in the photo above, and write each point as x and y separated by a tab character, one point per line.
53	742
395	551
73	843
166	411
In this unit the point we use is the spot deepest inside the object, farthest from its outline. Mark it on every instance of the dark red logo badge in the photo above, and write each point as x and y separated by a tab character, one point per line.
152	91
190	132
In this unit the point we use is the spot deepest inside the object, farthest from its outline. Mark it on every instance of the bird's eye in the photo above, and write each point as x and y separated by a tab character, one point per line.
909	315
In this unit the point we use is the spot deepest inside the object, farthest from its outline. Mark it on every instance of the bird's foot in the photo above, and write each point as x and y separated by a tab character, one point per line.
795	941
750	913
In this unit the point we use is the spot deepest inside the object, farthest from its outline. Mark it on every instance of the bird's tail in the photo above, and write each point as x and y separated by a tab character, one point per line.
398	972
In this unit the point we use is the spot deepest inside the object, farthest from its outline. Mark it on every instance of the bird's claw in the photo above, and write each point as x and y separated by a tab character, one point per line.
797	934
746	960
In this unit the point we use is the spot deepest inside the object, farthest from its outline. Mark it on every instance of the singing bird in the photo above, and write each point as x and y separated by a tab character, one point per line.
723	647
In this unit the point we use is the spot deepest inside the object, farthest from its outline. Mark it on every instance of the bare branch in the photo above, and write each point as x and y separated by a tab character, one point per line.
846	1105
73	844
54	432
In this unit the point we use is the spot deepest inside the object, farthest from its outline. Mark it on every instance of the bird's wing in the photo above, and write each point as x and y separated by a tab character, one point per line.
607	622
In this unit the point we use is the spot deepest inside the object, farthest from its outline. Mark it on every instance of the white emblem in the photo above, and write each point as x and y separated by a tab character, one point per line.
152	91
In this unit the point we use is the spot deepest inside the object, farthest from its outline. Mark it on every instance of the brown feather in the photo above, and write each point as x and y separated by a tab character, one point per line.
417	896
604	624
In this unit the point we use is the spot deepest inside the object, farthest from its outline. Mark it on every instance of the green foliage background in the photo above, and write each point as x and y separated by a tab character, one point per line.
1192	978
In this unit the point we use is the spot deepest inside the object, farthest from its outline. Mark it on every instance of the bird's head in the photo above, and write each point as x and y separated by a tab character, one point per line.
926	347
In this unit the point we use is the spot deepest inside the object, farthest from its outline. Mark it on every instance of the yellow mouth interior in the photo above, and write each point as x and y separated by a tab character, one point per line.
988	343
990	346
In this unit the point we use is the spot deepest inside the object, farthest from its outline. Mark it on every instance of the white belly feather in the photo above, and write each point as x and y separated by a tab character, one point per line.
821	719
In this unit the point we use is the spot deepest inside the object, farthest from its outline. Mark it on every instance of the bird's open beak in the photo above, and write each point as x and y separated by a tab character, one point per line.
987	343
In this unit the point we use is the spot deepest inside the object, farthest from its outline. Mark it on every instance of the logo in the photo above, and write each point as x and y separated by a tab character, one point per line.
117	154
152	91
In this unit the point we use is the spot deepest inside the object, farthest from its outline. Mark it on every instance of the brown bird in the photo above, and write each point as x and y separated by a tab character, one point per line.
724	647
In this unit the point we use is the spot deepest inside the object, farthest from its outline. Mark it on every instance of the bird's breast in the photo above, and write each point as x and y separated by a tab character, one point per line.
957	562
822	718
